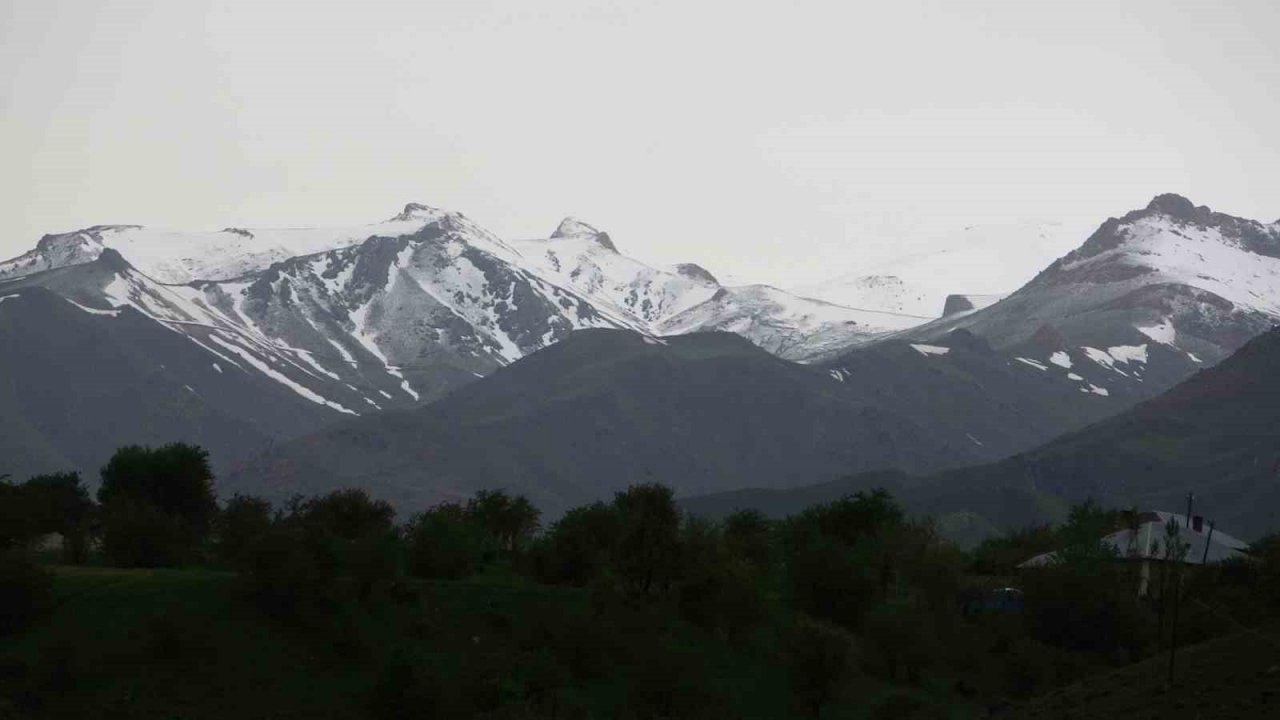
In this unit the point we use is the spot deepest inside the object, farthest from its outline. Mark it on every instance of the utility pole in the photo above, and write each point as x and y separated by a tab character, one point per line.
1205	558
1173	631
1190	498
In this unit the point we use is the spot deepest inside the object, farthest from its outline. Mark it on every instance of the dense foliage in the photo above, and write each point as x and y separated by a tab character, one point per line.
627	608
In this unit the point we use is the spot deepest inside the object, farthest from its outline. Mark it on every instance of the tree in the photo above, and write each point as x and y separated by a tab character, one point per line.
511	522
169	489
820	660
52	503
717	589
577	547
444	543
138	534
746	536
835	557
646	554
347	514
239	525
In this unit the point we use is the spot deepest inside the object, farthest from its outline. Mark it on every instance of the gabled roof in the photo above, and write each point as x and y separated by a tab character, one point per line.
1147	543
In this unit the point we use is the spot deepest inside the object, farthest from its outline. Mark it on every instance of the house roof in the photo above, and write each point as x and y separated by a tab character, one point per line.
1147	543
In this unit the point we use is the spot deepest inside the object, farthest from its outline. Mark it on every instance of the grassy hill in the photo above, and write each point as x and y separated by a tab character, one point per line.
1232	677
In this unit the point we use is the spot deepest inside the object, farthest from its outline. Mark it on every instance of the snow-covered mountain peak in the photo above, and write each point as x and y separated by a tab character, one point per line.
176	257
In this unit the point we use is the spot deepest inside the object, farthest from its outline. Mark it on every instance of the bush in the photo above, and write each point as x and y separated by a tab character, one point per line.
821	659
444	544
241	523
286	574
26	592
137	534
577	548
717	590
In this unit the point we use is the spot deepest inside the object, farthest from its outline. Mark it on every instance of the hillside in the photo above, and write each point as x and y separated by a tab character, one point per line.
1232	677
703	412
1216	434
604	409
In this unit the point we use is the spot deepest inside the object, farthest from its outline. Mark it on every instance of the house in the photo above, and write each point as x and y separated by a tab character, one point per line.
1144	541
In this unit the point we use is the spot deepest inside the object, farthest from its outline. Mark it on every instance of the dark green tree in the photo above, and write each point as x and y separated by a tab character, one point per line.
647	552
510	521
444	542
158	504
577	548
240	524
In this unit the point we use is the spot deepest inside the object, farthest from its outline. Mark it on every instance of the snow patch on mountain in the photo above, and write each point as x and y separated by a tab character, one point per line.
1163	332
928	350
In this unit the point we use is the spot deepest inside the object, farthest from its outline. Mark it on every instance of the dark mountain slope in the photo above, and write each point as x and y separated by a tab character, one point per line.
107	378
1216	434
603	409
958	386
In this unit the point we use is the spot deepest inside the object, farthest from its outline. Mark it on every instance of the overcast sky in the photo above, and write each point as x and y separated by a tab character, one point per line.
767	140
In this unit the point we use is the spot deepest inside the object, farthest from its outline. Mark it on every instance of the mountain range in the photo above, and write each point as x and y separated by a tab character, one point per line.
1215	435
314	358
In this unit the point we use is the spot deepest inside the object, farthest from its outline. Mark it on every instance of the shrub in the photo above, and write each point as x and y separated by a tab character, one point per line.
137	534
443	543
241	523
576	550
821	658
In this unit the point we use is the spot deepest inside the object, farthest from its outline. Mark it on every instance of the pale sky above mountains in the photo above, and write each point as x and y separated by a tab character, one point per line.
768	141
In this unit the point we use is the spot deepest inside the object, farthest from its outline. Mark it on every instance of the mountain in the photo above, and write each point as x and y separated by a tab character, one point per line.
1216	435
360	319
983	261
688	298
1147	300
703	412
107	378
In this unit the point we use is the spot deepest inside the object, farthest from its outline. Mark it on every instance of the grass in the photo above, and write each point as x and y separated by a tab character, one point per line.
182	643
1232	677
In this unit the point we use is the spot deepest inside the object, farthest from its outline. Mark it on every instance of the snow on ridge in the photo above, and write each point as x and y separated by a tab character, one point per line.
278	376
1127	354
1162	332
928	350
175	257
8	297
91	311
1033	363
1061	359
1196	256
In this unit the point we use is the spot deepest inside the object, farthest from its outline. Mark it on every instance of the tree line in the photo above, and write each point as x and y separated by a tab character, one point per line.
842	595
